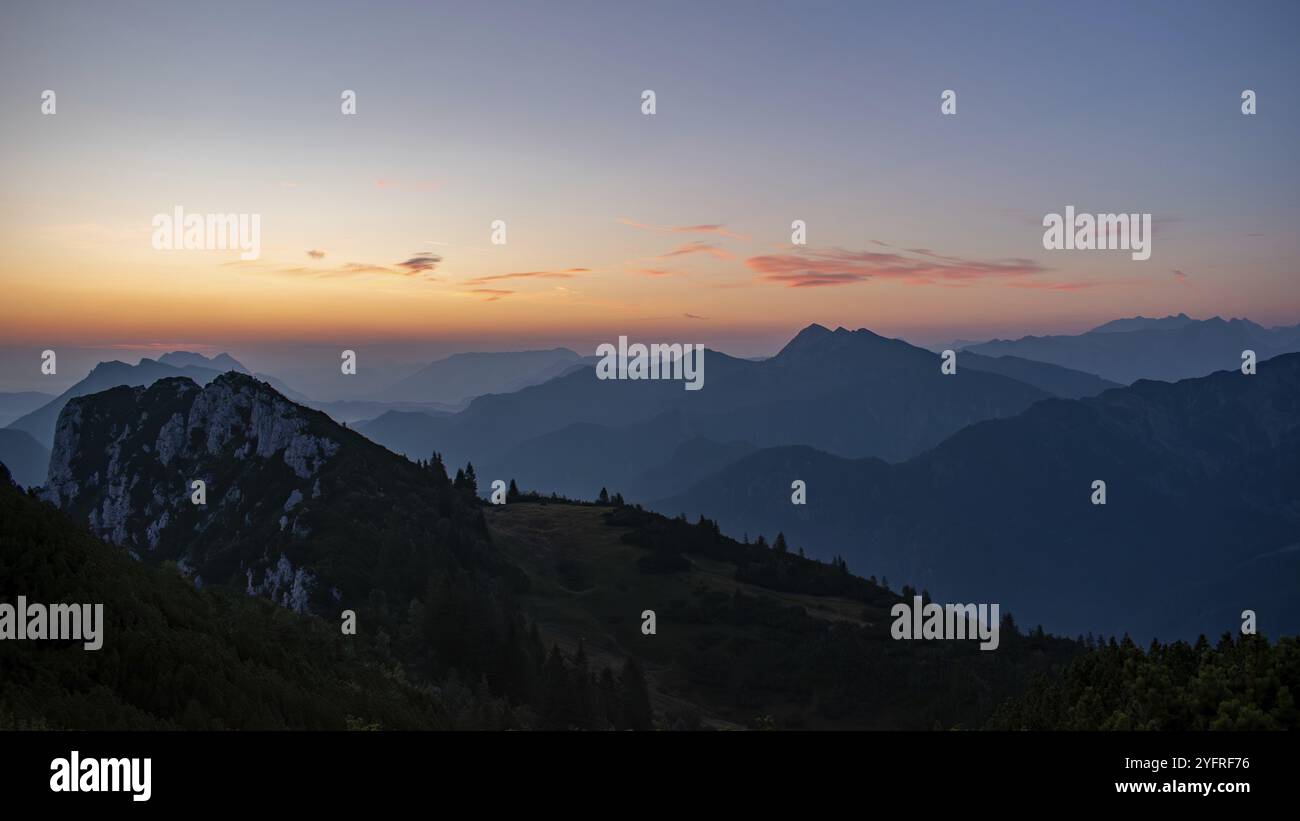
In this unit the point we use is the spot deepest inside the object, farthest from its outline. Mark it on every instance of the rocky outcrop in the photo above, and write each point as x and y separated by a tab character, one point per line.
242	488
128	460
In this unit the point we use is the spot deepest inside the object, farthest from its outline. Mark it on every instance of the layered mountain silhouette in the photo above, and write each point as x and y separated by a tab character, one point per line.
25	458
463	376
39	423
1054	379
1142	323
14	405
851	393
1172	348
221	362
1200	523
357	410
314	517
1201	519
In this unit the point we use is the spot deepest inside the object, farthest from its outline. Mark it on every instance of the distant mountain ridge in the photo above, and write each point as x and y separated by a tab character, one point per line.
15	405
848	392
463	376
1168	349
1142	323
1201	518
41	422
24	456
221	362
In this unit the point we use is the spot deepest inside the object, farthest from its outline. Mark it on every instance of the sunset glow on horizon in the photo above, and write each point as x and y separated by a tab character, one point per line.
377	227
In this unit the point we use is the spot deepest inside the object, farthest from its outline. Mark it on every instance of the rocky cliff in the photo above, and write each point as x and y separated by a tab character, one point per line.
240	486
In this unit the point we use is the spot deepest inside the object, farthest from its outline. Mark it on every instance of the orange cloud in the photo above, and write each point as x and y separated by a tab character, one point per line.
351	269
810	268
698	247
347	269
491	294
567	273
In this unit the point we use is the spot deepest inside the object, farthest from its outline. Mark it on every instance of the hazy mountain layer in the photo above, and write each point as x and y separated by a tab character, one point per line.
14	405
1201	521
850	393
1168	349
25	458
464	376
40	422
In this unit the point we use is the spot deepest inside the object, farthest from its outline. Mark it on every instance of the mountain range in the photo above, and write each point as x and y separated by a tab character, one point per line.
458	378
852	393
14	405
1169	349
39	423
870	423
1199	524
26	458
312	516
1201	519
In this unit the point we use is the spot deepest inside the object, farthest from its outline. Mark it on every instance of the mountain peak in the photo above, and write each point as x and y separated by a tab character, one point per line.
809	336
220	362
247	443
112	365
819	341
1142	323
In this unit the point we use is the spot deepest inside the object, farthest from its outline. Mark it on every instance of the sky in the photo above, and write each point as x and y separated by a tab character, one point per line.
376	227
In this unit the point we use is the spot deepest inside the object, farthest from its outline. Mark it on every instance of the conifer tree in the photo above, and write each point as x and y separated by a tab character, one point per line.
637	714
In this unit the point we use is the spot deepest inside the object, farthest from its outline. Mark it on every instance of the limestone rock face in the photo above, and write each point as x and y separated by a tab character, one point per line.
128	459
241	488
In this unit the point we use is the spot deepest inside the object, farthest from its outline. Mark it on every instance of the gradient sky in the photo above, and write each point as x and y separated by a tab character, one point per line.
675	225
